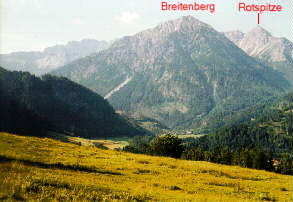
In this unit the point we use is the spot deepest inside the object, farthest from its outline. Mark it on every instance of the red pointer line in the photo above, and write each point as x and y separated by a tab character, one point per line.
258	18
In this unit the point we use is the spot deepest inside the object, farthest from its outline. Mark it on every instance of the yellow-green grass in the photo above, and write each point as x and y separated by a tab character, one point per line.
113	143
43	169
109	144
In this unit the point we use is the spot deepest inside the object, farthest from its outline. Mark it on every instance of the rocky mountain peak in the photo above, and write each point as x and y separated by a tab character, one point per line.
147	46
184	24
260	30
255	41
259	43
259	35
187	21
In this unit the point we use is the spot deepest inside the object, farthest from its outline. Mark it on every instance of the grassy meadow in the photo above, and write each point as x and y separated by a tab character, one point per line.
110	143
43	169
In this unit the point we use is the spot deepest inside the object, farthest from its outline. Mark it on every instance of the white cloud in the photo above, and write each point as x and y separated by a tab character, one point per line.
77	21
128	17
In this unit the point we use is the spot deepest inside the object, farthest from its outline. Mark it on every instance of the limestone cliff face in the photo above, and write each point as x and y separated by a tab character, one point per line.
274	51
235	36
182	72
51	57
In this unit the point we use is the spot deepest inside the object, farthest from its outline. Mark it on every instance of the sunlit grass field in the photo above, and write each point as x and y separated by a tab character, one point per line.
43	169
110	143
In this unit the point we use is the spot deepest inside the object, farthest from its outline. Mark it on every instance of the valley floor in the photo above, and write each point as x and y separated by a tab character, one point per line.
36	169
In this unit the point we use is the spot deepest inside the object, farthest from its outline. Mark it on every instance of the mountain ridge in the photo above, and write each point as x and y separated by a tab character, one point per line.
179	74
41	62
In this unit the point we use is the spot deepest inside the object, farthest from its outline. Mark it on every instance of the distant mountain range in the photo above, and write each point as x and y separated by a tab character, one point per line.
31	105
182	73
273	51
52	57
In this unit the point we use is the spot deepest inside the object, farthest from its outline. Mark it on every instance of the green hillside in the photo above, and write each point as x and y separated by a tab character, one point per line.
42	169
269	128
33	106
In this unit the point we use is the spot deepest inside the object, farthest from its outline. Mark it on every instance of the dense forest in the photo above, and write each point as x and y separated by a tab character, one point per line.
33	106
264	142
270	131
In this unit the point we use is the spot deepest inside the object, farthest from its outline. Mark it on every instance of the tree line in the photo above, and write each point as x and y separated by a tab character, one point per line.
173	146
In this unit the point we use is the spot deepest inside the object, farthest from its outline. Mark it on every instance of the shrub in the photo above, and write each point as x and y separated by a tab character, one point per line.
167	145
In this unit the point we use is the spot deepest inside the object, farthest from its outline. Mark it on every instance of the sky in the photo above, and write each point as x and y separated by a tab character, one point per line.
32	25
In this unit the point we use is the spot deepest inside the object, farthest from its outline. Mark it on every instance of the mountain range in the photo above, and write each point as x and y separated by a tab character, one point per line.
182	73
38	63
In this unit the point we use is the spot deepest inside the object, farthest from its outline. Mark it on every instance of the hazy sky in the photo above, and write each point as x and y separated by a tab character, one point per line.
35	24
